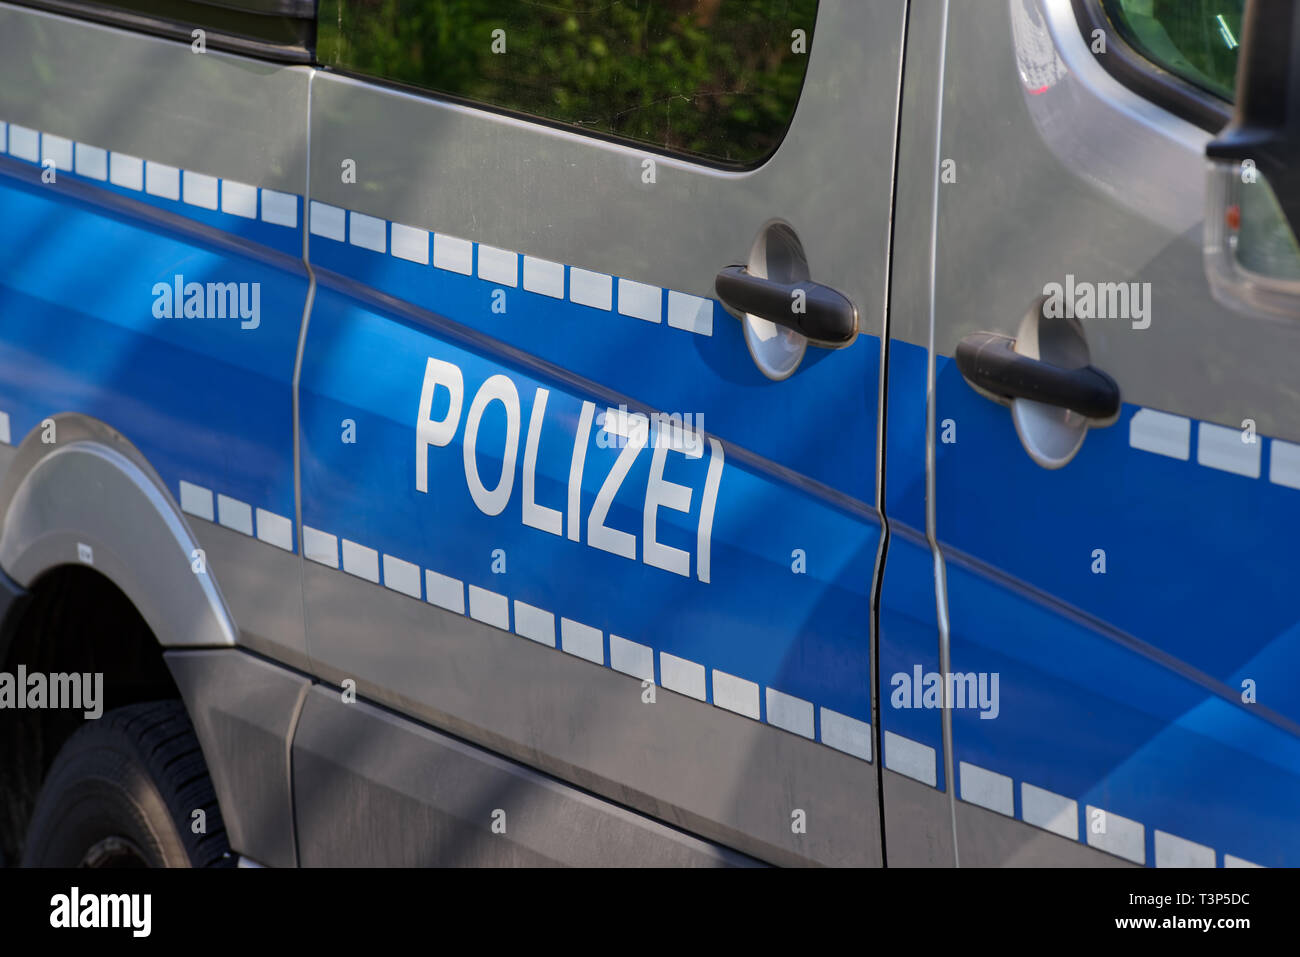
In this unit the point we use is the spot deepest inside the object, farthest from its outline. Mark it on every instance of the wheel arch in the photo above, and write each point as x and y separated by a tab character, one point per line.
91	488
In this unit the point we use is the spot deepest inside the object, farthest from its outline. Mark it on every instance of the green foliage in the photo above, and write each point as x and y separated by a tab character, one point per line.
715	78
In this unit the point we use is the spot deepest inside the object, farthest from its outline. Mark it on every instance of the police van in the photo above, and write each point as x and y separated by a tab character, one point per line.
688	433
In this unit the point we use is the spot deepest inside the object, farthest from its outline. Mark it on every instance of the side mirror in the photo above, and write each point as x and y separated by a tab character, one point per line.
1253	215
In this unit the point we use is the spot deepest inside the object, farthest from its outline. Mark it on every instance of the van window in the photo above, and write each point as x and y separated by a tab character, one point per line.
1196	40
716	79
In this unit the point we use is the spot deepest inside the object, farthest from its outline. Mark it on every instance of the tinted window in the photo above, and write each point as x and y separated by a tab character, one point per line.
712	78
1197	40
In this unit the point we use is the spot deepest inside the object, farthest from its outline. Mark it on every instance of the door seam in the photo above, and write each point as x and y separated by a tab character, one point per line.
931	523
882	402
297	455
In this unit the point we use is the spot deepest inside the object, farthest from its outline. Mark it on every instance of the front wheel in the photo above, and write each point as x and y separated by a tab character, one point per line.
124	791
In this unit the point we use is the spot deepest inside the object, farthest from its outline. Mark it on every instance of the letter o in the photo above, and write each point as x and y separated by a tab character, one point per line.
498	388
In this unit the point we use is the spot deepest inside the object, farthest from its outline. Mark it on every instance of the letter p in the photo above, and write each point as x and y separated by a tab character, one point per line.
436	432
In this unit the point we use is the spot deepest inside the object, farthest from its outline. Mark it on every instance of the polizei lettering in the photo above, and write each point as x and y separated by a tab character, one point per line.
634	433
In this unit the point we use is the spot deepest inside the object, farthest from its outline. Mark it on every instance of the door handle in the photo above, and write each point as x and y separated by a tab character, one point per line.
819	313
989	362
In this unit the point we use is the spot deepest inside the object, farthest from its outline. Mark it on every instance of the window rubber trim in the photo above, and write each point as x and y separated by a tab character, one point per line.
175	30
1147	78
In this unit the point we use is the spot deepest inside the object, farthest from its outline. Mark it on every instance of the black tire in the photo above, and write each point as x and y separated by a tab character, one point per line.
122	792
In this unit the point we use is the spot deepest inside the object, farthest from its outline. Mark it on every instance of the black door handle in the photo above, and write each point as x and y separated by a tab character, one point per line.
819	313
989	362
